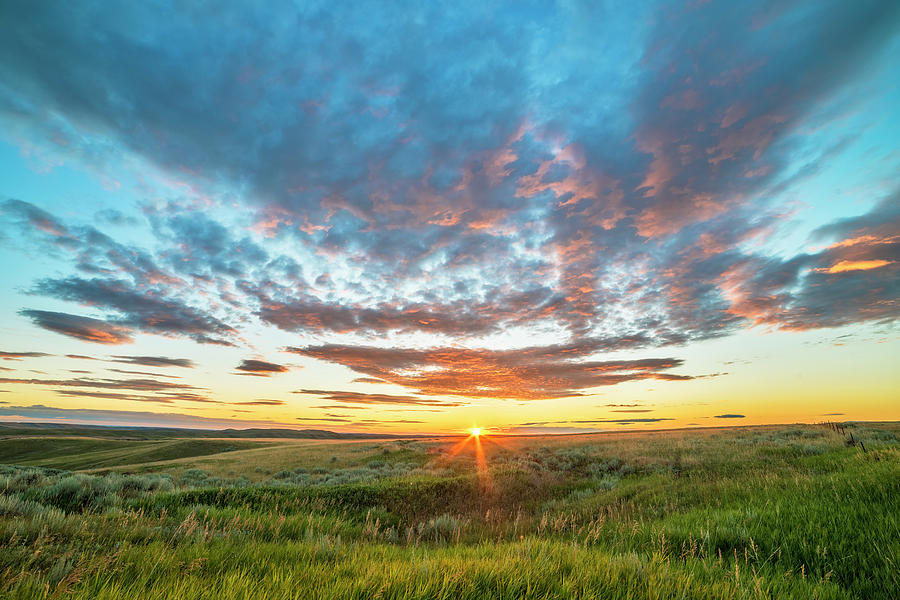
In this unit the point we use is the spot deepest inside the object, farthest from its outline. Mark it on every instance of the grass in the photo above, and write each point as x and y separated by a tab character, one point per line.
87	453
766	512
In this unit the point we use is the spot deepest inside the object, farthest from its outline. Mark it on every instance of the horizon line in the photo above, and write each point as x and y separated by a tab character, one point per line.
488	430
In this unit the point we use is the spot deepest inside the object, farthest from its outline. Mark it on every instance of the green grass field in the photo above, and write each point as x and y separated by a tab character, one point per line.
752	512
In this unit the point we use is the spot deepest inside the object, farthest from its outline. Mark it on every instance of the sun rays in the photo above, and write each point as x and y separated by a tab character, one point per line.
476	435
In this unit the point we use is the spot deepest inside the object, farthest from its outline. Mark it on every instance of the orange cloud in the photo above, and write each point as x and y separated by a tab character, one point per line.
854	265
524	374
83	328
864	239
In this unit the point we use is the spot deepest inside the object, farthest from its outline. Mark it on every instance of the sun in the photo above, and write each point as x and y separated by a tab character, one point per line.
476	431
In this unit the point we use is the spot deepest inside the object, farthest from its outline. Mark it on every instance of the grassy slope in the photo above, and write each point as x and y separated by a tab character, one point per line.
87	453
254	459
156	433
745	513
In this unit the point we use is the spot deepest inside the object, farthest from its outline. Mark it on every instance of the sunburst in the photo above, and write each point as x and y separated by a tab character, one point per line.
475	436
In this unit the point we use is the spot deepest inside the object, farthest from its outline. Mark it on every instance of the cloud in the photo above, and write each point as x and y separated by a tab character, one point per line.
83	328
457	318
260	367
379	423
115	396
525	374
473	180
261	403
817	290
137	389
122	418
715	136
132	384
317	316
21	355
154	361
360	398
112	216
144	296
30	216
138	309
130	372
617	421
729	416
549	430
843	266
390	421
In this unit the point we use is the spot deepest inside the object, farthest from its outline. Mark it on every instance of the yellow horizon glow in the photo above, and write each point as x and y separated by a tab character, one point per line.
770	377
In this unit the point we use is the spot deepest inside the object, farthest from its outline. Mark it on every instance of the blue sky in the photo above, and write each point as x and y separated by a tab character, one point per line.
415	217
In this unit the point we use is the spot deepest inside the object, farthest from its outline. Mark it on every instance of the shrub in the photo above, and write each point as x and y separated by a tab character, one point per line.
808	449
76	493
14	506
611	466
607	483
194	477
442	528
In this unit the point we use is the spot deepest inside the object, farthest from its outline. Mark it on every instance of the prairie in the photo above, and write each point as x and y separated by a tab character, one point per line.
799	511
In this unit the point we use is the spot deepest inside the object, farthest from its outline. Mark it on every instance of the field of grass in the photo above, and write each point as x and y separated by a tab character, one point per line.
85	453
753	512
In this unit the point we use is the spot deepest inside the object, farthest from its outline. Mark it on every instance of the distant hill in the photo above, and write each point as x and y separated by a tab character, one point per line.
149	433
304	434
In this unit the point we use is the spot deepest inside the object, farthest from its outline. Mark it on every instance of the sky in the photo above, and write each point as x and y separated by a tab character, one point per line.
423	217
